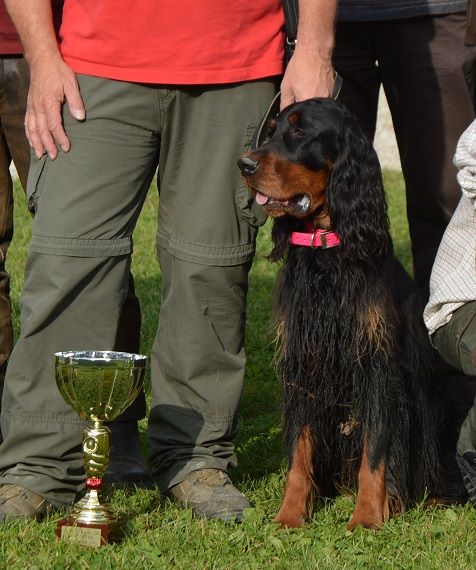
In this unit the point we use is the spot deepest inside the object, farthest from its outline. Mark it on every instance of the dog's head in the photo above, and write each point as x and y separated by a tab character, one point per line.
318	167
289	174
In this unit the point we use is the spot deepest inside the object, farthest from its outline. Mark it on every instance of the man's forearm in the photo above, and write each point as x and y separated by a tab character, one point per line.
316	28
34	23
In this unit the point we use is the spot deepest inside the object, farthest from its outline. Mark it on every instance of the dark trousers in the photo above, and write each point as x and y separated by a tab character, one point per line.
14	79
428	75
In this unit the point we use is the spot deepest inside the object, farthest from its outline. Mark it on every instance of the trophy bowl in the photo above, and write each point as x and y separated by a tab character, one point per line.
99	386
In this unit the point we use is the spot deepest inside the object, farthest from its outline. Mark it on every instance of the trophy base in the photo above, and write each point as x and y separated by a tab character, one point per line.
88	534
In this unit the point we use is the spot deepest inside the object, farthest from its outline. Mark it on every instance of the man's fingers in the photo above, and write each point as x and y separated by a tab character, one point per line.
47	141
287	97
45	131
32	134
78	112
60	138
306	77
75	103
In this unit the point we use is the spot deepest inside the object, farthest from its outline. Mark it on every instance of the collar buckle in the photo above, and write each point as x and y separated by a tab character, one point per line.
322	237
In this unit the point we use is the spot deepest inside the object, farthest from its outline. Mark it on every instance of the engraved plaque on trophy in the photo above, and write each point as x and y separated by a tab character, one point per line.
99	386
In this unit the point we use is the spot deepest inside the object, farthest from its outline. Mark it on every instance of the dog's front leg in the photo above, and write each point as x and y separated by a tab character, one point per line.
372	508
298	499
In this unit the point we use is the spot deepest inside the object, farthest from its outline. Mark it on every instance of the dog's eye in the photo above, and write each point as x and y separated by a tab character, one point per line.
297	133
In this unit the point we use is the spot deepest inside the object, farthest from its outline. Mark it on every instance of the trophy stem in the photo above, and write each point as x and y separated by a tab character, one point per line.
90	511
96	448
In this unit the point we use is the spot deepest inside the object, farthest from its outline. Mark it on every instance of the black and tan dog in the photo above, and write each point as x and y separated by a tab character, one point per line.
354	359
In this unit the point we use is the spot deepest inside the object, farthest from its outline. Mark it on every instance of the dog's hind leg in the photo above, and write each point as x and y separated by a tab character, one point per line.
299	491
372	508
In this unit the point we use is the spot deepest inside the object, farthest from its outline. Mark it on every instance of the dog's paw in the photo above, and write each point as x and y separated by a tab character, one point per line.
368	520
288	520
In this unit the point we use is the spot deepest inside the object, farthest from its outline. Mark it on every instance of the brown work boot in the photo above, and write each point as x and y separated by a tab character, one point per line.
18	502
211	494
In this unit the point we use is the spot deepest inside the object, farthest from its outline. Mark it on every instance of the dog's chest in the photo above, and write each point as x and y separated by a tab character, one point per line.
325	312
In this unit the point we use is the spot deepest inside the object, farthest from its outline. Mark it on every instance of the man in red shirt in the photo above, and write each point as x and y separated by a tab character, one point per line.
178	86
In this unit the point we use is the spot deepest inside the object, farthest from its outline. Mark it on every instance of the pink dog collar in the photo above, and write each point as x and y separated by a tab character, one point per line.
317	238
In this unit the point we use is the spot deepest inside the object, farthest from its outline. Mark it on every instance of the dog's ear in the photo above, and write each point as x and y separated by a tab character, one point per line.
356	198
282	228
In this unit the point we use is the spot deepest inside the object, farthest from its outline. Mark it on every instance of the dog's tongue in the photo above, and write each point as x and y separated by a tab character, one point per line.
261	199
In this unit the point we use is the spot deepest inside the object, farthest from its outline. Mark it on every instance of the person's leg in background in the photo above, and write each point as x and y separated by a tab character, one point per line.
428	76
206	241
14	81
456	342
429	84
355	60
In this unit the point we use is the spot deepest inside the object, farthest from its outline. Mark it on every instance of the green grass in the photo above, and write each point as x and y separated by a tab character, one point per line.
160	535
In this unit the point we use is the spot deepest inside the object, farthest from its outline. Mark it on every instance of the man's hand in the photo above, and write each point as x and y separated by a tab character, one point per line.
310	72
305	77
52	83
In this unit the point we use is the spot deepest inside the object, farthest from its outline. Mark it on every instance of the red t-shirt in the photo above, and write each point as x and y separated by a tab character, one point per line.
174	41
9	41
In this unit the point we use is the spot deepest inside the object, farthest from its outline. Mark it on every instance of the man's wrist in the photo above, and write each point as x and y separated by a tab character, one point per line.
46	56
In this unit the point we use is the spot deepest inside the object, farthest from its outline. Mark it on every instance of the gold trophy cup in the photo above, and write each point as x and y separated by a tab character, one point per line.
98	385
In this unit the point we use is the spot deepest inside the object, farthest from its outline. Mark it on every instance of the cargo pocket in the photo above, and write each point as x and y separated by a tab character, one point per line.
248	208
35	180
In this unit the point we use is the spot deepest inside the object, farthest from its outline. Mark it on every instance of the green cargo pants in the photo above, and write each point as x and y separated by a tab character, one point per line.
456	342
87	202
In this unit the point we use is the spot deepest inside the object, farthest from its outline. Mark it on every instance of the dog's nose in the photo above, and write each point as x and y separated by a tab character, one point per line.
248	166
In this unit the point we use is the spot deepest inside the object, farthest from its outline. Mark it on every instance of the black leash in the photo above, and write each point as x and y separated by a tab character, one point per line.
291	20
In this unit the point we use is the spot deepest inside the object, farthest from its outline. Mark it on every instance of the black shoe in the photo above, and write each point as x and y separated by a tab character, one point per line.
467	465
127	465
